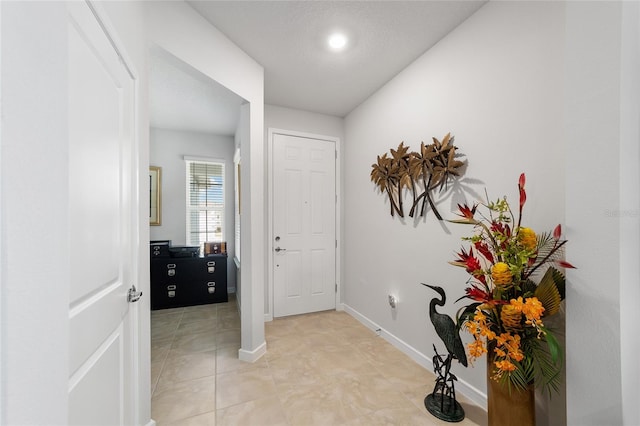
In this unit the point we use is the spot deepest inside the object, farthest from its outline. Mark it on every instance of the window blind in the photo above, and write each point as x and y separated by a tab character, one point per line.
205	202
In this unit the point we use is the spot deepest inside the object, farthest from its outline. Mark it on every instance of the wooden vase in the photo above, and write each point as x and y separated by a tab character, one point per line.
515	408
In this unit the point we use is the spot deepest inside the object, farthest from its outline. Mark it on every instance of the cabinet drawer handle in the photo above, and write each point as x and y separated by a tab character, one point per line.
171	287
171	265
211	284
212	263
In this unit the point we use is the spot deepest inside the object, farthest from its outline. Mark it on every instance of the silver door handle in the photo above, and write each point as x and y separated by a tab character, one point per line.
133	295
278	249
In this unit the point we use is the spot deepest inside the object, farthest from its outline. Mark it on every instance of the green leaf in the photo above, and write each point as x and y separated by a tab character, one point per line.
554	347
548	292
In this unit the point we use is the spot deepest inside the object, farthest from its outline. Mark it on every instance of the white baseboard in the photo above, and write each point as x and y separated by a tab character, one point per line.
151	423
254	355
268	317
462	387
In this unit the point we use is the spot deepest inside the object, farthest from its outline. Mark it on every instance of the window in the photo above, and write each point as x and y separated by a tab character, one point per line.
205	202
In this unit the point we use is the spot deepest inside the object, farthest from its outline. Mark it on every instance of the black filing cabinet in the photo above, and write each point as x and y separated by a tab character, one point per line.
188	281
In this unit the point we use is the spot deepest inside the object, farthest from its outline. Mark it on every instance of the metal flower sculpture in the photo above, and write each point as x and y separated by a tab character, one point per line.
430	168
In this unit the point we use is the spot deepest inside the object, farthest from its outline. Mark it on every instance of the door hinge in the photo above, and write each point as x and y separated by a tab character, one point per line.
336	243
336	287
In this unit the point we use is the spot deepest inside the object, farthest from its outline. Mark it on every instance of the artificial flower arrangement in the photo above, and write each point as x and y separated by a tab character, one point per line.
506	317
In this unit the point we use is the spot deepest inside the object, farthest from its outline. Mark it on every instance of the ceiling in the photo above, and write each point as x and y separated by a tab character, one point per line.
288	38
182	98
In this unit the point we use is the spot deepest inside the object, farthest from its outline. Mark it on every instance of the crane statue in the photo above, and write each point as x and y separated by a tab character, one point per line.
442	401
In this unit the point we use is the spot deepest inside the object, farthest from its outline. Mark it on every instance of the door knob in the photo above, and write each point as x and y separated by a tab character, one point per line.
133	295
278	249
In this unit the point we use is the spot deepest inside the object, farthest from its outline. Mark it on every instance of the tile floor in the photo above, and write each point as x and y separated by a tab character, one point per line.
320	369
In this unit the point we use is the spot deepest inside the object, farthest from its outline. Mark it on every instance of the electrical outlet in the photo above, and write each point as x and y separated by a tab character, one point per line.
393	301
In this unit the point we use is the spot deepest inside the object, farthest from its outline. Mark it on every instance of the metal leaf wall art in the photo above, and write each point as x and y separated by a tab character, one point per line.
420	172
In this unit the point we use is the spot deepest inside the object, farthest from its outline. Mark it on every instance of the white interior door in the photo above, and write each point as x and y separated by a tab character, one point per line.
101	123
304	225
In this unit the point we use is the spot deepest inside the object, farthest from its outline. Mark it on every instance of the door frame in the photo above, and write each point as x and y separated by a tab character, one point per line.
271	132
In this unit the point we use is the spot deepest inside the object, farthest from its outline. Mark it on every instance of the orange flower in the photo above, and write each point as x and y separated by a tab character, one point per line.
476	348
505	365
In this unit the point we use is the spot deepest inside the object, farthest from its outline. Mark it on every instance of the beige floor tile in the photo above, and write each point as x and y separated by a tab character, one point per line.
280	327
160	313
197	326
263	412
199	315
184	399
228	323
296	373
206	419
320	369
194	342
227	361
160	347
159	353
228	338
287	345
156	369
243	386
187	367
407	375
317	406
396	416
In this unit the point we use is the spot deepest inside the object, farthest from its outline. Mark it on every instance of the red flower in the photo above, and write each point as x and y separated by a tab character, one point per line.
471	264
477	294
501	228
523	194
467	212
483	248
557	232
480	295
565	264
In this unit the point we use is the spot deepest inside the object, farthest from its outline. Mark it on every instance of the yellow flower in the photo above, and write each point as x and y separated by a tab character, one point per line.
511	318
500	274
527	238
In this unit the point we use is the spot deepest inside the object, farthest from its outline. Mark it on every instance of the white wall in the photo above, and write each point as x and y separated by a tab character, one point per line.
167	149
496	84
178	29
603	210
277	117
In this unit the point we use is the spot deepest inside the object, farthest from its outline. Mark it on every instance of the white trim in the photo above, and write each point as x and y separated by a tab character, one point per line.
254	355
204	159
338	184
475	395
268	317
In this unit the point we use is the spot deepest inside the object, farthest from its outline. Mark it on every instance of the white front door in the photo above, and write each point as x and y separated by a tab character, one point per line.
101	211
304	225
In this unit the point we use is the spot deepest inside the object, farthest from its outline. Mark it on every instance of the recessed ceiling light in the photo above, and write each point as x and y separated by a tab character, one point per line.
337	41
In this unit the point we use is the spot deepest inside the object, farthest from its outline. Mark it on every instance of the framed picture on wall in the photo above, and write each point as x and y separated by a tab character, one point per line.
155	192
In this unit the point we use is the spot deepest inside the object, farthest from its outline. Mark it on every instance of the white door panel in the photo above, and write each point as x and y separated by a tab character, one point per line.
101	100
304	224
